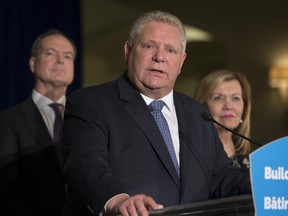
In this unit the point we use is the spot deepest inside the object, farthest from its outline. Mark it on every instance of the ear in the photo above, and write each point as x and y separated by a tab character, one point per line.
32	64
126	50
183	57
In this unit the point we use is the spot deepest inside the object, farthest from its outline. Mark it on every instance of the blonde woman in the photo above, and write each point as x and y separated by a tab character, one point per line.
227	94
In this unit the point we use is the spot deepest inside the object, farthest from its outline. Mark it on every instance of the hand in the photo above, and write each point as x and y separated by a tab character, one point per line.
134	206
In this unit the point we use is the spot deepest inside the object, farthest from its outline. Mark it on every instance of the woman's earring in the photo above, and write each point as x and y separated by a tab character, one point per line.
241	121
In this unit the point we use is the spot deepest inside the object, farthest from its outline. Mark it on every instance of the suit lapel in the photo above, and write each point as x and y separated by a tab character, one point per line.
192	164
187	162
35	123
138	110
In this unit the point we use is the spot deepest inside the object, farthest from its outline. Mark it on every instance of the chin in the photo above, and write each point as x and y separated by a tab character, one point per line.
231	127
61	83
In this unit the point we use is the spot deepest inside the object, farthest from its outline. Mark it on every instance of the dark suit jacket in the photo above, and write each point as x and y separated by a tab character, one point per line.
112	145
31	180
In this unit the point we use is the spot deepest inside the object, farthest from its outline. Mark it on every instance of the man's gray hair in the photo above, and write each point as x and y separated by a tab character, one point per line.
158	16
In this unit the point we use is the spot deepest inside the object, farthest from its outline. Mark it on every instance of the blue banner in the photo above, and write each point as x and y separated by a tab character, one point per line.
269	178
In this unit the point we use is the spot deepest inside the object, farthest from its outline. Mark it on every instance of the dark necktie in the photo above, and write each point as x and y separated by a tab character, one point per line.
58	123
155	108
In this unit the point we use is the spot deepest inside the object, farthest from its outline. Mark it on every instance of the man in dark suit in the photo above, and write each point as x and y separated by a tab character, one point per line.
31	179
116	159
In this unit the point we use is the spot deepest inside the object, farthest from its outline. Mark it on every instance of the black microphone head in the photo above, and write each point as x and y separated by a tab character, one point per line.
207	117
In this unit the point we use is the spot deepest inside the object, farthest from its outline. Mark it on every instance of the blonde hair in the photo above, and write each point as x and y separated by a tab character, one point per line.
204	92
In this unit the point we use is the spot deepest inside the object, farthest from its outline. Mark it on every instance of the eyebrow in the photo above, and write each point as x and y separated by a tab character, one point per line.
65	52
217	93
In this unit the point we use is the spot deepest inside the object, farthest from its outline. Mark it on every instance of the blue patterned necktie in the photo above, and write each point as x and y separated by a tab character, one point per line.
155	108
58	123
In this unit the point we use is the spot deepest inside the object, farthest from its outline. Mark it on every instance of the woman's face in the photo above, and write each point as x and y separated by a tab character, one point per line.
226	104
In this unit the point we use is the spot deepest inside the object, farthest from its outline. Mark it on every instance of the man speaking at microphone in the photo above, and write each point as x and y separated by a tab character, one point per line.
134	144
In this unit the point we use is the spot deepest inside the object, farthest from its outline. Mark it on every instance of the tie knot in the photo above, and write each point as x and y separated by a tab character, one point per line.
156	105
56	106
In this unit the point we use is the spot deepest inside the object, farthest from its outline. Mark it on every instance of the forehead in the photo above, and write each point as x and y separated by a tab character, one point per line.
57	42
161	32
231	86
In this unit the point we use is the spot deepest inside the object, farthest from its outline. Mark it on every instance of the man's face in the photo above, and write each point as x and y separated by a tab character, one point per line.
54	64
156	58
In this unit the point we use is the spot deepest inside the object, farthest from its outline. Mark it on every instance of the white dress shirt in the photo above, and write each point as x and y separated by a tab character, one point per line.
46	111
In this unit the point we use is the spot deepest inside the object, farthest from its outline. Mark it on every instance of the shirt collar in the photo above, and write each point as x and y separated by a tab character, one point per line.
42	101
168	100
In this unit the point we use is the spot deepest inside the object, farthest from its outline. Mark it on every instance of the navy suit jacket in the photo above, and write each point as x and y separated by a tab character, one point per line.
112	145
31	178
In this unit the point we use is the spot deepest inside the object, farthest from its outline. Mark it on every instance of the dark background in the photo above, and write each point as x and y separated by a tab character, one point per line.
246	37
20	24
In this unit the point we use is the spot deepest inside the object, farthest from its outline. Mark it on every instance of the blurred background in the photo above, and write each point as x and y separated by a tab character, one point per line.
247	36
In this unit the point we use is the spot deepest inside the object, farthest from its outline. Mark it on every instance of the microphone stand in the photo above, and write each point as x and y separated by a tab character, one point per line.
208	117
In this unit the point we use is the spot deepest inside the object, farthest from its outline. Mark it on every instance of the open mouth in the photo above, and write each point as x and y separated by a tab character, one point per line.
157	71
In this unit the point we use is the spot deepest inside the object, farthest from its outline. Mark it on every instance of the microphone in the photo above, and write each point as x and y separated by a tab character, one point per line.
208	118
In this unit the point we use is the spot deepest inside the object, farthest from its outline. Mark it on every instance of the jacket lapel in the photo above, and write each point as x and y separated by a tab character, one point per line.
138	110
34	122
192	163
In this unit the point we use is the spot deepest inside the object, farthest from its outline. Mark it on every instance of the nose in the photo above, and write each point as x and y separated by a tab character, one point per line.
60	59
228	104
159	56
